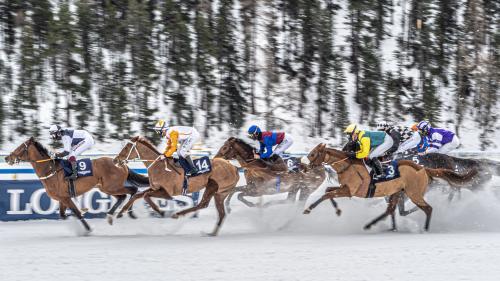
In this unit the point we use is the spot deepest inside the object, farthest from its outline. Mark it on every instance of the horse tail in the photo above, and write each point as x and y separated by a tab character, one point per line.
136	179
452	177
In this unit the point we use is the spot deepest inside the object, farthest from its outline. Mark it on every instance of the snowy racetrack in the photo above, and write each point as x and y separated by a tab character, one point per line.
463	244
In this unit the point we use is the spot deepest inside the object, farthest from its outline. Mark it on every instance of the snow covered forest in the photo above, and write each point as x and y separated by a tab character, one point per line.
306	66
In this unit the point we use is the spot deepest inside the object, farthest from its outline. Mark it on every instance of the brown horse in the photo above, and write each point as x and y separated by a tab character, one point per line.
167	178
355	180
262	178
109	178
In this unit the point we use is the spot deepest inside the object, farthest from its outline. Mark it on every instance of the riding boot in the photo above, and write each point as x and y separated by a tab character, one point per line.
193	170
377	167
74	170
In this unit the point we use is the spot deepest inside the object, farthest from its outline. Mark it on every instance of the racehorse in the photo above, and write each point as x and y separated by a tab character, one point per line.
262	179
166	179
355	180
106	176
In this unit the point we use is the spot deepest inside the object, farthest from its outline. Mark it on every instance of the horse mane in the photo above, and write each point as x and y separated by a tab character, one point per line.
40	147
244	144
146	142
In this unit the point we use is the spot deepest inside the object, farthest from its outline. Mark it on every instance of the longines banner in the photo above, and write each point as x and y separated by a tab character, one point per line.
27	199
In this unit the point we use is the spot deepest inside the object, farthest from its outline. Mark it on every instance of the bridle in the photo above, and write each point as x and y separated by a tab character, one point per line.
322	155
25	151
138	158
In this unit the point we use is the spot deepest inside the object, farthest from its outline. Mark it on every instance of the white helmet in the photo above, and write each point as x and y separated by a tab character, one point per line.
55	131
383	125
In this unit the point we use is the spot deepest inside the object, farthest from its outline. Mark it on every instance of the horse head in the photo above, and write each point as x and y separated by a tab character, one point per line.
135	149
234	148
316	156
30	150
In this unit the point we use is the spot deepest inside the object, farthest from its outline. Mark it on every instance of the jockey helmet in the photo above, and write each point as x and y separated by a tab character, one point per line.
383	125
55	132
254	132
161	127
351	129
424	127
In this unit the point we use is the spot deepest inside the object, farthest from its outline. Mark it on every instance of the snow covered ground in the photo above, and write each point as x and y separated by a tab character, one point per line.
463	244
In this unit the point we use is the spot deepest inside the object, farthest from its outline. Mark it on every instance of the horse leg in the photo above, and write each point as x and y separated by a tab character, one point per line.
336	206
391	207
132	192
219	204
331	192
62	211
160	193
228	200
246	202
402	208
68	202
424	206
207	195
111	211
131	201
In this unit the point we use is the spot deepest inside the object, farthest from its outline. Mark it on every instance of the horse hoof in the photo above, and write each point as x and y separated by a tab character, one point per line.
162	214
307	211
175	216
132	215
338	212
367	227
109	218
119	216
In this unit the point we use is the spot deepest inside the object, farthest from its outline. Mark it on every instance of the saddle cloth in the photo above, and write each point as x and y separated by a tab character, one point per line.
84	167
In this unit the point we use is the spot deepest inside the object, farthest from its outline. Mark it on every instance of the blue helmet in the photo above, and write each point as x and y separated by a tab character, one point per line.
424	126
254	131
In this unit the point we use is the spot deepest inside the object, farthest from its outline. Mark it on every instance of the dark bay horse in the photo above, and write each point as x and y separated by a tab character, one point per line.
354	180
109	178
167	178
262	179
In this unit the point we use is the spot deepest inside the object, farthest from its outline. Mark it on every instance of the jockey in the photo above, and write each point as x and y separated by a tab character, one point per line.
372	144
75	142
180	141
393	133
408	138
268	139
440	140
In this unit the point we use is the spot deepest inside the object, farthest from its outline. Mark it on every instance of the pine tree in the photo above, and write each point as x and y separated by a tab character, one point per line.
203	62
180	61
324	85
25	102
248	20
232	102
143	67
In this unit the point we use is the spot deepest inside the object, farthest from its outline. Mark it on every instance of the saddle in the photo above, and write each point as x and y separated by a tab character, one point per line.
84	169
203	164
391	172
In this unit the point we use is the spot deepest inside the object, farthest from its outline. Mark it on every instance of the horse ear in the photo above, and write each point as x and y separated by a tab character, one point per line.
323	145
31	139
231	138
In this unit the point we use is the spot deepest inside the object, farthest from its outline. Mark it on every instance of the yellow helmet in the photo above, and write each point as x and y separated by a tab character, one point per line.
160	126
351	129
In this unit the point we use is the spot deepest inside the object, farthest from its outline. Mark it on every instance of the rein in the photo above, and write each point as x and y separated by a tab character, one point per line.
54	172
134	146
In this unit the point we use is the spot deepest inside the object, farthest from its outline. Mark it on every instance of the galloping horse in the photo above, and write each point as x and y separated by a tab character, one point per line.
106	176
166	179
263	180
354	180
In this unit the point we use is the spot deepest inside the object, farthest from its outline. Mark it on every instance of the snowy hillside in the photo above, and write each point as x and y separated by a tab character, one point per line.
306	67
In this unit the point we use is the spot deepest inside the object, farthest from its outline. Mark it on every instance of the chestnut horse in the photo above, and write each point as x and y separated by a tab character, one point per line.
167	178
354	180
109	178
262	178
